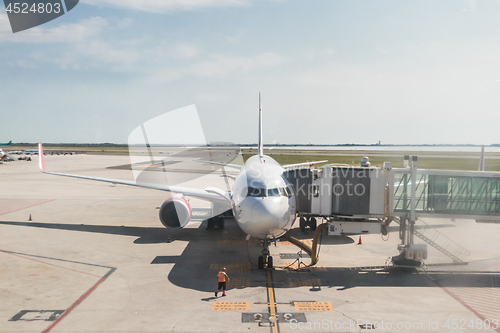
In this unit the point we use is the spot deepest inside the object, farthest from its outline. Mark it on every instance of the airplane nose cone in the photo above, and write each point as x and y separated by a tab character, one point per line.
263	212
266	214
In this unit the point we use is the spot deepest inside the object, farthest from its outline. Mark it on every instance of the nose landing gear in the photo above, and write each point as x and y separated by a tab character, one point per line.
265	260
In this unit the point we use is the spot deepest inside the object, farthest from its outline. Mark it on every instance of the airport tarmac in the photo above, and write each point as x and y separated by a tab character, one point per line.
95	258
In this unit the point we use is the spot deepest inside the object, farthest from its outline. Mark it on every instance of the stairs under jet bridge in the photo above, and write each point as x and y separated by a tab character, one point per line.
434	238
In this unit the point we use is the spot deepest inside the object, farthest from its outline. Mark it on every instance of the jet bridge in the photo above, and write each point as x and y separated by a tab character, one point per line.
450	194
342	190
376	196
375	192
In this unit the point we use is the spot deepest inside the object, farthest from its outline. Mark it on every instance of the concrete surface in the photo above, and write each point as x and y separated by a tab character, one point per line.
95	258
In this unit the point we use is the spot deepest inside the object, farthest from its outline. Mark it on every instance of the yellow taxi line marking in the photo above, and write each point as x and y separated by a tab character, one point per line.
272	302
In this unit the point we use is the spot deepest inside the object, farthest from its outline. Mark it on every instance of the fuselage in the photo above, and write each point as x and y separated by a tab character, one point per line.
263	201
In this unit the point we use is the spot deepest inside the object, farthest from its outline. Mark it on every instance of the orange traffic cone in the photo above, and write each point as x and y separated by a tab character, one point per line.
359	241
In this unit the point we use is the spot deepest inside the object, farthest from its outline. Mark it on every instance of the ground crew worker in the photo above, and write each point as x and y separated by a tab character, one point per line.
221	278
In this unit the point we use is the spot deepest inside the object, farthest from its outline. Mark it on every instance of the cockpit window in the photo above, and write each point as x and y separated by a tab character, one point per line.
273	192
262	192
256	192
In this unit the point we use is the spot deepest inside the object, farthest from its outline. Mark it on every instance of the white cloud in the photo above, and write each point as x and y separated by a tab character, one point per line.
220	65
184	51
217	66
160	76
112	57
166	50
83	46
268	59
65	33
161	6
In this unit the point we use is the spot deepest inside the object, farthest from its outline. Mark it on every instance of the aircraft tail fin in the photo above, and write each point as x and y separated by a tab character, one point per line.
261	143
10	142
41	164
481	161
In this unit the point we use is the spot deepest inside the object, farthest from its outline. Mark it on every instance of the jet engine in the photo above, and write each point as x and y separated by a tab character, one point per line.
175	213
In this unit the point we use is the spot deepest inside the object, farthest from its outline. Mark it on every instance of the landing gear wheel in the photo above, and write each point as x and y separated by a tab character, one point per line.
215	222
210	224
220	222
312	223
269	262
302	224
261	262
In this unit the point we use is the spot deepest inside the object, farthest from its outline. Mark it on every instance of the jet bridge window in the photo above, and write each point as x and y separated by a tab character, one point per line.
256	192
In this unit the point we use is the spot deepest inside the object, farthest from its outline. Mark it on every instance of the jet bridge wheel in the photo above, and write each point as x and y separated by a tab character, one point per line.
302	224
312	223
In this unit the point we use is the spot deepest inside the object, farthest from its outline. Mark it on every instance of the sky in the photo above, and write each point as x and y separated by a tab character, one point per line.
330	72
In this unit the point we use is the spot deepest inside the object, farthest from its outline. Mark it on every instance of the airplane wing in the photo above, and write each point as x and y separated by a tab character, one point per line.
284	166
239	167
303	164
208	195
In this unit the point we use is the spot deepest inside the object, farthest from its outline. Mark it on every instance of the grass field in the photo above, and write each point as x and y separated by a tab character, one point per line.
426	160
432	160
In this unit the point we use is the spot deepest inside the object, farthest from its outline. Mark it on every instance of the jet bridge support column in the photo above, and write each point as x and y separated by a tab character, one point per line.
413	200
407	224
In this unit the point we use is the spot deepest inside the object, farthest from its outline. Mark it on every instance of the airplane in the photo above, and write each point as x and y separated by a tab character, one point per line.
6	144
262	200
5	156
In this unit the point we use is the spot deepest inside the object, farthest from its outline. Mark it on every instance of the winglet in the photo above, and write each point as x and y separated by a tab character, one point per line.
261	144
41	164
481	161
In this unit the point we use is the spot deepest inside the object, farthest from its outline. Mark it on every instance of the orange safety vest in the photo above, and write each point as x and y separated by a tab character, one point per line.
221	276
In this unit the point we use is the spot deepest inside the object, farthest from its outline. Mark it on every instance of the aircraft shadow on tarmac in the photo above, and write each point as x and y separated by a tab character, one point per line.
193	270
